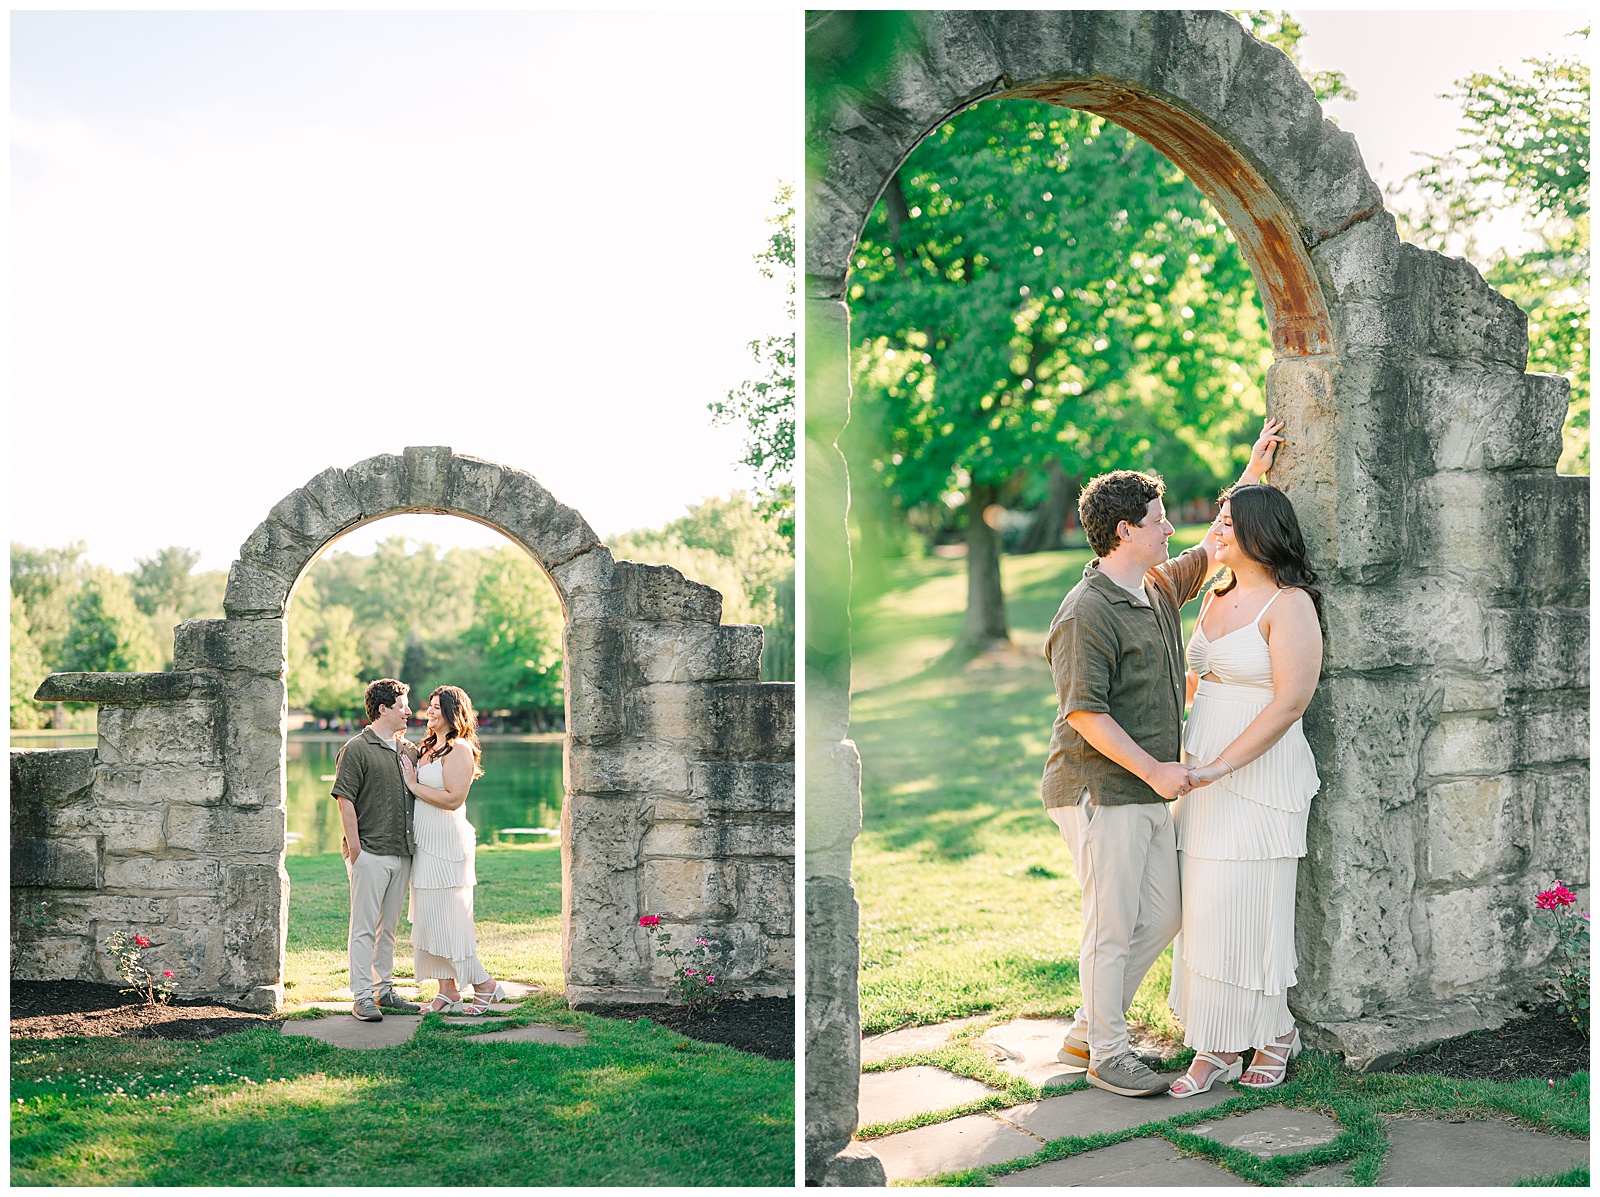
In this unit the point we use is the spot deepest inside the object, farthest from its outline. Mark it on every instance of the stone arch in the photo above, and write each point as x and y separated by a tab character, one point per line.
678	760
1417	439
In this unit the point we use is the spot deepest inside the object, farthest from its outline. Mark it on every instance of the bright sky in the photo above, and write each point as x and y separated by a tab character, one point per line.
1401	62
249	246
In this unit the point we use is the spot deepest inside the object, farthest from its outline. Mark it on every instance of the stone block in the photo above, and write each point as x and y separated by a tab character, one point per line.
857	1166
688	890
726	720
675	810
1481	417
590	587
53	959
719	840
833	807
1544	648
133	913
256	898
53	776
159	786
661	594
198	912
224	831
1474	829
300	512
1472	694
257	713
176	733
767	894
832	1019
1458	316
1549	727
257	646
1467	745
163	877
603	833
674	653
1467	932
67	863
427	474
332	492
1558	804
472	486
627	767
136	830
1431	619
276	549
379	485
753	786
127	689
1361	264
254	591
594	659
1546	524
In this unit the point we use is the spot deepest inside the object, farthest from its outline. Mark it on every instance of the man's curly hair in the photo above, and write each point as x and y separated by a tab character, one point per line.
384	692
1112	498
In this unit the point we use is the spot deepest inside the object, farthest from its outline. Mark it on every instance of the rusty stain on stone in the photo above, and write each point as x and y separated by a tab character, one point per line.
1268	235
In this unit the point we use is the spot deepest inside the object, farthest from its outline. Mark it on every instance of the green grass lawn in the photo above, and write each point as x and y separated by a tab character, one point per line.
969	902
639	1105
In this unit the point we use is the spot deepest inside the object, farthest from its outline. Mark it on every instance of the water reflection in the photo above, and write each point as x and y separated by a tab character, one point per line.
520	791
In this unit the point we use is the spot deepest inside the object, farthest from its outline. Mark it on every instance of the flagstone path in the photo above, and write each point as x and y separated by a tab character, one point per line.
1422	1151
342	1029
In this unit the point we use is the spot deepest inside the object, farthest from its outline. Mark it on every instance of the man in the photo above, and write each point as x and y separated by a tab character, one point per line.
1115	650
375	810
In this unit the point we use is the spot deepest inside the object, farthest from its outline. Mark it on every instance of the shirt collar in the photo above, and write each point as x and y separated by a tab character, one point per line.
1095	576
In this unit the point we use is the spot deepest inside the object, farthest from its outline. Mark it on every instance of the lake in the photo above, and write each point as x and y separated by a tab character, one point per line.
520	788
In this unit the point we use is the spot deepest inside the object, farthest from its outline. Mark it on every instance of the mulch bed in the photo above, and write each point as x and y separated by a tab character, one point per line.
56	1009
1543	1046
764	1026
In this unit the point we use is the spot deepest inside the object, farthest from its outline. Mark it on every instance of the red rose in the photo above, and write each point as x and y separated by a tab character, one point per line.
141	941
649	920
166	972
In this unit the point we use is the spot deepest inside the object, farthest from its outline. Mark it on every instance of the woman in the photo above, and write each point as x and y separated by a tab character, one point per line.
443	939
1254	661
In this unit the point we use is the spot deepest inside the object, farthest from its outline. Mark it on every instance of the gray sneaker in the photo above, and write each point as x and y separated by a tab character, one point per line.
388	999
366	1010
1075	1051
1124	1074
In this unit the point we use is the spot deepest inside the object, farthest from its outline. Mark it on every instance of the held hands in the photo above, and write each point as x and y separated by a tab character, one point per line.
1265	449
1206	774
1170	779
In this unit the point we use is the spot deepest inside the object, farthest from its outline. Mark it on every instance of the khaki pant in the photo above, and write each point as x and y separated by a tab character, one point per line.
1127	863
377	887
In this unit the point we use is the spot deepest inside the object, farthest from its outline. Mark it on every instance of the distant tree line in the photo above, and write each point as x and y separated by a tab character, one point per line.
485	619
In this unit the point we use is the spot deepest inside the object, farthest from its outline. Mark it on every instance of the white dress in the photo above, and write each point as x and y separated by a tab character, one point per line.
1240	840
444	940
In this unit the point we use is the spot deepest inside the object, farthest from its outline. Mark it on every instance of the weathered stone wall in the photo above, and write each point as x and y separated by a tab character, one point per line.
679	762
1451	724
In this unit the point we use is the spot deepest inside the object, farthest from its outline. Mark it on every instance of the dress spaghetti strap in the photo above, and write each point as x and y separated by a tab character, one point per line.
1267	604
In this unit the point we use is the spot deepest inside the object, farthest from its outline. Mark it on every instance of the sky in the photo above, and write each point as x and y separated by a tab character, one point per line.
1400	63
246	247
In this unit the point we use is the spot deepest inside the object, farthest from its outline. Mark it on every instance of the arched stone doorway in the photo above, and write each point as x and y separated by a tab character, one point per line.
1451	723
679	762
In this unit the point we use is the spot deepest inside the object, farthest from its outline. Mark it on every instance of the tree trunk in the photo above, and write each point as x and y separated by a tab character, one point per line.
1047	532
985	625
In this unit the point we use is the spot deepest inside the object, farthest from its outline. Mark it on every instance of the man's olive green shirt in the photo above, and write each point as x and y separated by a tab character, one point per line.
1112	654
368	774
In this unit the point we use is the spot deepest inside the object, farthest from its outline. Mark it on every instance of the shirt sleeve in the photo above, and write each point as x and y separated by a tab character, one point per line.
1081	656
348	772
1185	573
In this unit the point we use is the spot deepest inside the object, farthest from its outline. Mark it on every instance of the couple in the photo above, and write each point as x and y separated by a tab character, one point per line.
392	839
1215	868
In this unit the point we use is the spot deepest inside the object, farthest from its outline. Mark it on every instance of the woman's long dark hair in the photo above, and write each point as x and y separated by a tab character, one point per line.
1267	532
461	723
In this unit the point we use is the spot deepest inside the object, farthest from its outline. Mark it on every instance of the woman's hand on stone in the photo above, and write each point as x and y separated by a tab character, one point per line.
1266	446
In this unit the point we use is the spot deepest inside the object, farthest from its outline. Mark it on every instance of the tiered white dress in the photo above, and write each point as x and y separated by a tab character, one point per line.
1240	840
444	940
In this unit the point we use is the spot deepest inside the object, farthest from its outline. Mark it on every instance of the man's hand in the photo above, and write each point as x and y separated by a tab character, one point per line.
1170	779
1263	451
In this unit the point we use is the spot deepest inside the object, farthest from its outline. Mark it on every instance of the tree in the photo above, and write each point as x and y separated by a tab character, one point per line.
516	636
766	405
27	669
1525	145
164	580
1040	285
107	632
46	580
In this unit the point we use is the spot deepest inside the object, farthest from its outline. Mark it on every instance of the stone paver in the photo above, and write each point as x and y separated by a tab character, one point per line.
1027	1048
532	1034
951	1146
1094	1111
1149	1161
904	1092
908	1041
1327	1176
1425	1151
1272	1130
349	1031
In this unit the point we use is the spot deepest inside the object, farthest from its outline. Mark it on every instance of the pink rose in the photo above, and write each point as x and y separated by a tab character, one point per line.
141	941
166	972
711	980
649	920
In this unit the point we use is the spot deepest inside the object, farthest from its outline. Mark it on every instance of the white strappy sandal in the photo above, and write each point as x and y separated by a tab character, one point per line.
1222	1070
1278	1068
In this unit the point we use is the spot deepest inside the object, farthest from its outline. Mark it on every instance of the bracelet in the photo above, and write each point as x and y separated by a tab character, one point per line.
1224	760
